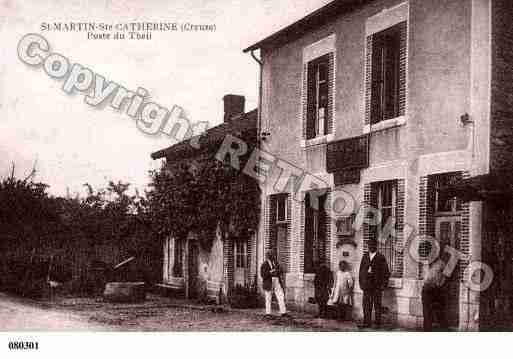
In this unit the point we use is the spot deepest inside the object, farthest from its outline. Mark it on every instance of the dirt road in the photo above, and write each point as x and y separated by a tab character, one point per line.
23	315
156	314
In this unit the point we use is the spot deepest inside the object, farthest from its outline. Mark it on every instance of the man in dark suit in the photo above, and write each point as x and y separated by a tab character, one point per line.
271	282
374	275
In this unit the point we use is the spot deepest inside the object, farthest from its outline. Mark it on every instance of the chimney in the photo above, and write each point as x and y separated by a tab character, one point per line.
233	106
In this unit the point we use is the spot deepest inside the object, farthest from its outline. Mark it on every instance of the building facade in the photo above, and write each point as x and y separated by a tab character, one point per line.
387	104
210	272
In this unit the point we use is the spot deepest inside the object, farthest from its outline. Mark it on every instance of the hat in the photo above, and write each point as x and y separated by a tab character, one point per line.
372	241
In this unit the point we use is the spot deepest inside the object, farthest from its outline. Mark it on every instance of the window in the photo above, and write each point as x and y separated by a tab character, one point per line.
318	88
345	226
279	228
385	201
388	73
315	230
444	203
241	254
178	262
282	214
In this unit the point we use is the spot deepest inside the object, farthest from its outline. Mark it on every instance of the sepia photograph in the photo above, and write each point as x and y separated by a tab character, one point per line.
255	166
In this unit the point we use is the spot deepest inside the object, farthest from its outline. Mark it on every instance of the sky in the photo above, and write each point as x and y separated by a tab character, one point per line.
72	143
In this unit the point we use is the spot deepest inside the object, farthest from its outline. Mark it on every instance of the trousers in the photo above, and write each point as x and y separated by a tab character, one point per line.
372	299
434	305
280	296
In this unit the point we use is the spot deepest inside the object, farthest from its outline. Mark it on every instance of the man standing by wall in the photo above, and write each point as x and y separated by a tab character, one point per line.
271	282
374	276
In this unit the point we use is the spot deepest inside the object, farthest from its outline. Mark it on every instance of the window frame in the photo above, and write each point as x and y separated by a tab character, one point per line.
319	232
320	126
455	203
240	252
382	42
393	202
281	199
388	249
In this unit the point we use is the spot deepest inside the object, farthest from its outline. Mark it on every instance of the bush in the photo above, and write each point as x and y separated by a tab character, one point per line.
13	276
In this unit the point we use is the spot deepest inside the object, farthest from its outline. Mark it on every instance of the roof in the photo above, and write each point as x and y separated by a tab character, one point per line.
310	22
245	123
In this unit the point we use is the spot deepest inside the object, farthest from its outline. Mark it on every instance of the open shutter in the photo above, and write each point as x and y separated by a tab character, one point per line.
309	235
331	89
377	79
391	73
403	60
311	100
323	233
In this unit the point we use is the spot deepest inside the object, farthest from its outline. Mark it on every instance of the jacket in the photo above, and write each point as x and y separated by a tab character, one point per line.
374	274
267	274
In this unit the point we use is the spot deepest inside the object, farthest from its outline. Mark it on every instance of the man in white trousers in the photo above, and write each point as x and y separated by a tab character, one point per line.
271	282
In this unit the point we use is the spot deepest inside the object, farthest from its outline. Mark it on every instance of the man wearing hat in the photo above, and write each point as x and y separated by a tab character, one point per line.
271	282
374	275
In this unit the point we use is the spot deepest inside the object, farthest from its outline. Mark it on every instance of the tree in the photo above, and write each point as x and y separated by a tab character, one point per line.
199	194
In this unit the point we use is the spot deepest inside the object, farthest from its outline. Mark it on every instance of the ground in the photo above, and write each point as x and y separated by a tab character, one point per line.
156	314
17	314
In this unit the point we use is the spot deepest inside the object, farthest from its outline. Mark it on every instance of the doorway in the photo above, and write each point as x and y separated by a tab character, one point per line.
448	211
448	232
192	266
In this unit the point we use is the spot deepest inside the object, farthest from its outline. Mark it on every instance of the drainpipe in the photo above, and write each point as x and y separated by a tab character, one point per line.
259	128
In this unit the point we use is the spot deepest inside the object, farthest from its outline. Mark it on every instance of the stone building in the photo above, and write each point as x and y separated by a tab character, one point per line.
189	267
396	105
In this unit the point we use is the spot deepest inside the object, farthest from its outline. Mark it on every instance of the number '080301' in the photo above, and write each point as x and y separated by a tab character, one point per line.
20	345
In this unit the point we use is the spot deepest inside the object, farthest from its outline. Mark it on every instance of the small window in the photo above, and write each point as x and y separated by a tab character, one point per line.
386	74
241	254
317	97
344	226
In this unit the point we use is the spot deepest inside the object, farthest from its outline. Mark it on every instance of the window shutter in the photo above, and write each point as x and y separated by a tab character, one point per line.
391	71
323	231
311	101
373	201
403	61
368	80
309	235
377	80
268	222
272	228
331	88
